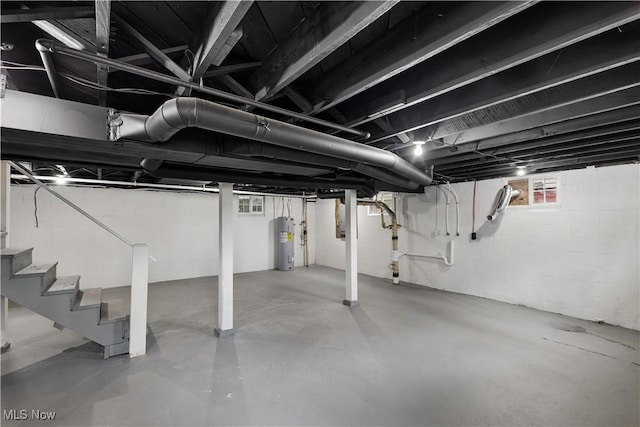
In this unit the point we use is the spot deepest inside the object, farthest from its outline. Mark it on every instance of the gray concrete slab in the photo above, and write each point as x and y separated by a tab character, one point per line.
406	356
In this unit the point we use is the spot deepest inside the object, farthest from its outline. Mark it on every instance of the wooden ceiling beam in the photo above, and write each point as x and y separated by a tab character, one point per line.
411	42
47	14
103	32
330	26
221	32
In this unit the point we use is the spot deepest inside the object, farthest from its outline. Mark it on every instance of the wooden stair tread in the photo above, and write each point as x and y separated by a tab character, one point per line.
88	298
63	285
35	270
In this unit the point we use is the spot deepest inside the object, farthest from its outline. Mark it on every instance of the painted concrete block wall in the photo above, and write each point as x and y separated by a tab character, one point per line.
181	230
578	258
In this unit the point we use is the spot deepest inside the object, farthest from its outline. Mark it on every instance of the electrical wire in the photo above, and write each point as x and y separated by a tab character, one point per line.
5	67
92	85
35	204
190	57
19	65
81	81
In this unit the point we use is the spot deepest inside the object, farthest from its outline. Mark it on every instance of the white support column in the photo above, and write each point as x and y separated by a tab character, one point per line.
139	292
5	193
225	258
351	235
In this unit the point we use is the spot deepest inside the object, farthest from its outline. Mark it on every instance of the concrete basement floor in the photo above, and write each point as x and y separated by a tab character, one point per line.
407	356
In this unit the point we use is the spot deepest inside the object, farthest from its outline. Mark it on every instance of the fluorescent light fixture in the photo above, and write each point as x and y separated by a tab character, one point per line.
60	35
418	151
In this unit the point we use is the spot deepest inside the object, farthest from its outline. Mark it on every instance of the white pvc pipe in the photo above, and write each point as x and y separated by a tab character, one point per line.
395	257
446	210
447	261
450	189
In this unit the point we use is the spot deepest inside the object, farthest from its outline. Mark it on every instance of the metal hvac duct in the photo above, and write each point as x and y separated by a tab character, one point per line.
504	196
180	113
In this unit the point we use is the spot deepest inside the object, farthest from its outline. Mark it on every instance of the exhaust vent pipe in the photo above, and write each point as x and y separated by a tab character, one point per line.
503	198
180	113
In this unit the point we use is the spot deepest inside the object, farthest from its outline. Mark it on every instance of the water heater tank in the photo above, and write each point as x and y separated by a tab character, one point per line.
284	243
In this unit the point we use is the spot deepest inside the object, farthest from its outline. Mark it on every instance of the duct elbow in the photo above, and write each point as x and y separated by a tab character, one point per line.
174	115
501	203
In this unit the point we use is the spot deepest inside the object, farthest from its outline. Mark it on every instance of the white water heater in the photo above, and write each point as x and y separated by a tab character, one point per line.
284	243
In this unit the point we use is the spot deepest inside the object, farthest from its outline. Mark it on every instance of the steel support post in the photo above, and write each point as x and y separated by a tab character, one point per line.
225	259
351	234
5	191
139	293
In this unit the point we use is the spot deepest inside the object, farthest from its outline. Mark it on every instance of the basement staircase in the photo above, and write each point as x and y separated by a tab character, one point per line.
36	286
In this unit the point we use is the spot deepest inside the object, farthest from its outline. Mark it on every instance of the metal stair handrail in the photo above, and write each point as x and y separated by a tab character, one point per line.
70	203
139	273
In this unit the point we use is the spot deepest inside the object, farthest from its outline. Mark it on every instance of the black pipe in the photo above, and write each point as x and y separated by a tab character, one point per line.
49	67
49	46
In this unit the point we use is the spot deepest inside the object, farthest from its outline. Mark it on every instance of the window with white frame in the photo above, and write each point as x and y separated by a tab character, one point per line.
544	190
251	205
385	197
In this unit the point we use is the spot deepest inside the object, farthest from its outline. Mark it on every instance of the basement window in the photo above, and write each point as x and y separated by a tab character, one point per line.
251	205
544	190
387	198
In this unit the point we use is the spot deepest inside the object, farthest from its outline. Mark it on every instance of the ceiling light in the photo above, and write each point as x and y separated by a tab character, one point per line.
521	171
418	151
61	180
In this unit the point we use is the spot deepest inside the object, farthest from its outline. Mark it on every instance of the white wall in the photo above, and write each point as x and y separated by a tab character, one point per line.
181	230
579	258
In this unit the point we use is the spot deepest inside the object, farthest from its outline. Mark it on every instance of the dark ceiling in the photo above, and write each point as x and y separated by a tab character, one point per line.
489	87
